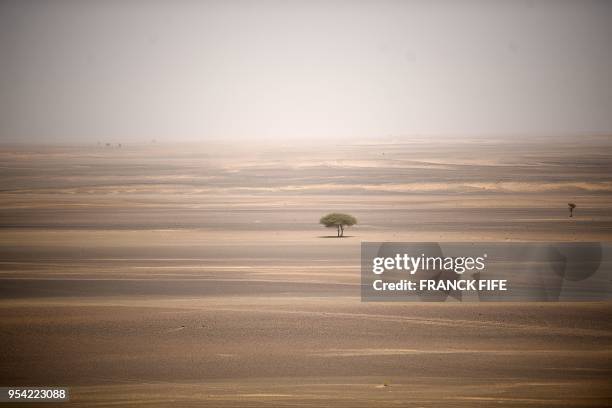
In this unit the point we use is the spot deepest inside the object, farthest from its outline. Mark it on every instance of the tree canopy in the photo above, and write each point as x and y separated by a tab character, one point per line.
339	221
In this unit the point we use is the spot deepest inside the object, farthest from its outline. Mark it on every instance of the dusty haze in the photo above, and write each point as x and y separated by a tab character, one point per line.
122	71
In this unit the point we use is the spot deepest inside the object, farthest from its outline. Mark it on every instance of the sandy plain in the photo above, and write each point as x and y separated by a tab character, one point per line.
196	275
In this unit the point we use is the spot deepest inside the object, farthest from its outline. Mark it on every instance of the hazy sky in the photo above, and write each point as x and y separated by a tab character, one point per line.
192	70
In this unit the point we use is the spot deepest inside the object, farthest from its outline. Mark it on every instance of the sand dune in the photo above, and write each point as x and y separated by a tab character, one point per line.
167	275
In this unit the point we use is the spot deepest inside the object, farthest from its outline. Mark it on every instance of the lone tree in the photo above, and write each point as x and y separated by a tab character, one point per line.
339	221
571	208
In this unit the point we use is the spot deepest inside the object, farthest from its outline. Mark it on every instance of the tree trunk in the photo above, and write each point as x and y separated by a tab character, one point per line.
571	212
341	230
338	227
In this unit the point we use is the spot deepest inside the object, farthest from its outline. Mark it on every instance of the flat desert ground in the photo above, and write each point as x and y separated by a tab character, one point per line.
197	274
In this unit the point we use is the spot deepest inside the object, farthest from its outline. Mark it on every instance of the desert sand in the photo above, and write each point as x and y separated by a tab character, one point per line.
197	275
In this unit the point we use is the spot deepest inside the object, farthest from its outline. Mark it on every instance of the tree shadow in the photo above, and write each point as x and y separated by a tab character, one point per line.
334	236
